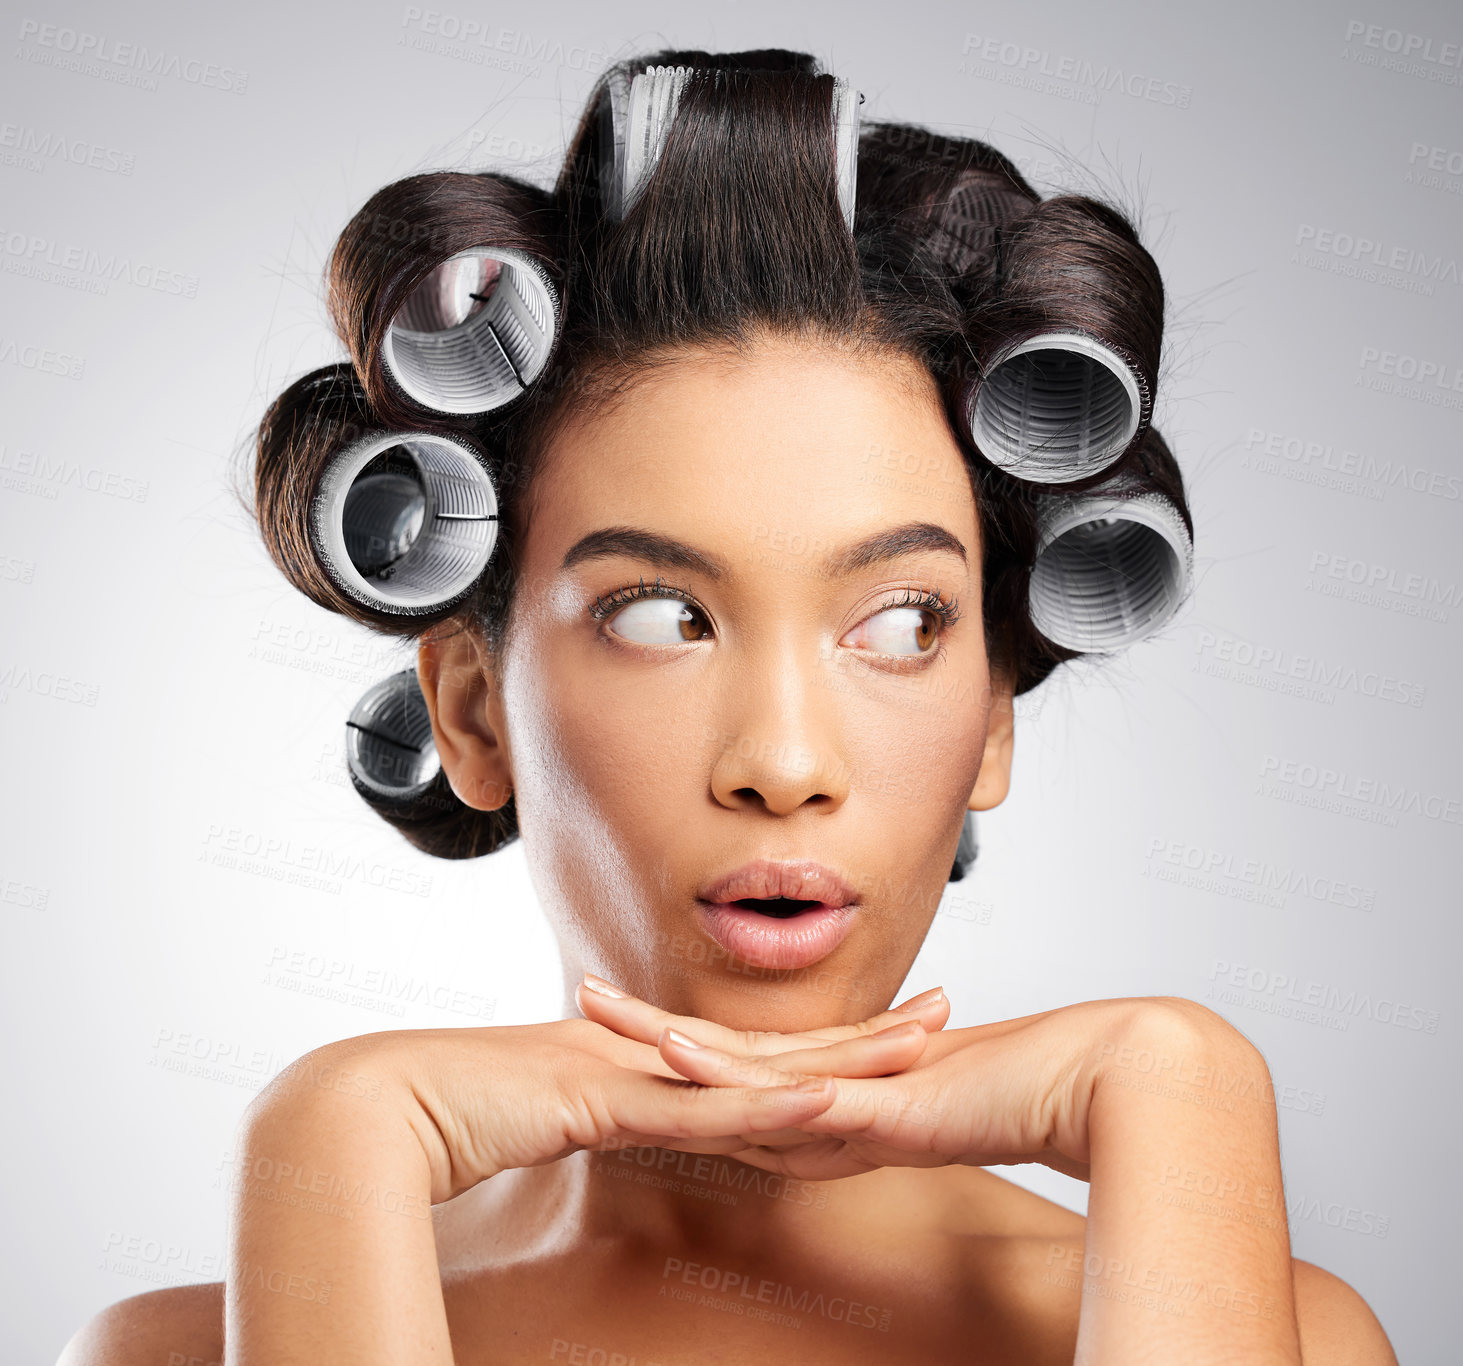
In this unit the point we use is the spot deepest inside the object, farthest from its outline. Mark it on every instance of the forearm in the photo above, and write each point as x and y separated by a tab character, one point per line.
1187	1253
332	1255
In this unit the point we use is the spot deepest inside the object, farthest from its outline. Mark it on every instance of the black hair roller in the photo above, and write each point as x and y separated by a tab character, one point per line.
390	527
966	850
950	193
447	288
1068	345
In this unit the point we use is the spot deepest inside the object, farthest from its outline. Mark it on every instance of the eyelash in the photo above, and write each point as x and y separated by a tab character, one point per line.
607	605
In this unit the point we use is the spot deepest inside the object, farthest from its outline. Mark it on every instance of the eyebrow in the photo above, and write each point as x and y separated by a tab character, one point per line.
637	543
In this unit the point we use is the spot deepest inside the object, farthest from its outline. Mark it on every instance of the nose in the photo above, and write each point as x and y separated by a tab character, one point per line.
779	737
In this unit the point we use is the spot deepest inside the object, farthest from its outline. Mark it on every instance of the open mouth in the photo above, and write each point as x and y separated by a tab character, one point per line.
776	931
779	907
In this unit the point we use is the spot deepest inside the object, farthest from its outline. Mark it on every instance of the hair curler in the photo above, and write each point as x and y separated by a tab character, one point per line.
1068	335
389	527
1113	564
966	850
614	110
1055	407
949	193
636	121
965	224
404	523
389	748
475	333
446	287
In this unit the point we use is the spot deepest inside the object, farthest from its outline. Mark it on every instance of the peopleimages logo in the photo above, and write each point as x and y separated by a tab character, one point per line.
85	267
33	149
476	40
1321	459
1342	1001
1422	379
1377	262
1023	65
1355	794
41	359
1309	676
70	49
1396	42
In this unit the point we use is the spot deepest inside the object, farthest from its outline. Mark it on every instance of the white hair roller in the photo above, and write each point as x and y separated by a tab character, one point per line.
1056	407
389	747
405	522
638	123
613	114
1113	565
476	332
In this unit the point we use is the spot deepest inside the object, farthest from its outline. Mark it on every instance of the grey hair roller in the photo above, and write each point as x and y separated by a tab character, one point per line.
1112	566
476	332
405	522
1057	407
388	739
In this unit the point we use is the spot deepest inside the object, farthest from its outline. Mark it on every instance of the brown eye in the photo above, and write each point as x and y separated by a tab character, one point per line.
899	631
659	621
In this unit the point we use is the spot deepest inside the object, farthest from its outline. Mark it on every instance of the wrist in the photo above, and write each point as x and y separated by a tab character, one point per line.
346	1097
1175	1049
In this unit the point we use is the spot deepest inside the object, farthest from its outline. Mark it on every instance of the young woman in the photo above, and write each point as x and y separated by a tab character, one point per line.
798	432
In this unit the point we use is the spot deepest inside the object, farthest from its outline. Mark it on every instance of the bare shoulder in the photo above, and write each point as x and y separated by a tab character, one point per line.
987	1203
180	1326
1038	1253
1337	1326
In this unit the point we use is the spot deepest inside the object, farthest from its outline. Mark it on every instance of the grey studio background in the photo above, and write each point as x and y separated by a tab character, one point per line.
1260	809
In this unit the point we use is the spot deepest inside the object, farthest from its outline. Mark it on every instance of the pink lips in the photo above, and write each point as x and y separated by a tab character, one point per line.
766	942
773	942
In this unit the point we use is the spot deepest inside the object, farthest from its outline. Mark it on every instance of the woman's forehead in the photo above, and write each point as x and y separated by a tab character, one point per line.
779	414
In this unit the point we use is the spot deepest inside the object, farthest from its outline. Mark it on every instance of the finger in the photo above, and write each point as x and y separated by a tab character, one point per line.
873	1055
637	1019
628	1101
805	1163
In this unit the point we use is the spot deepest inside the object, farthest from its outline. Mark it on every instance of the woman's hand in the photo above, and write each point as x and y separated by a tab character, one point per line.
1011	1092
486	1100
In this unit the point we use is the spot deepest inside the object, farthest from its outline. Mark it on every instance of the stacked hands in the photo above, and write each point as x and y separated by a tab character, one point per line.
897	1089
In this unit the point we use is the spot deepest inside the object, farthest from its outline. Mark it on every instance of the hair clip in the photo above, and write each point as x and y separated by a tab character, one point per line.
404	522
389	748
635	121
1112	566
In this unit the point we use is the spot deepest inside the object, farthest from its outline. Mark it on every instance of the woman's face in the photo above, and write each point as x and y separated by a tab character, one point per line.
789	692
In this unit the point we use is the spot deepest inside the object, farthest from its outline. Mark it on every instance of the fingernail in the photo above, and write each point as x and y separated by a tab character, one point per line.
926	998
678	1038
900	1031
598	984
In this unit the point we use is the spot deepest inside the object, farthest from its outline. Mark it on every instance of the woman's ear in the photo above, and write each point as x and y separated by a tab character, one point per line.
994	780
458	682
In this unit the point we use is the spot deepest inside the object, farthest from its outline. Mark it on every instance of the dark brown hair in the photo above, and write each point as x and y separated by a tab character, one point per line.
738	231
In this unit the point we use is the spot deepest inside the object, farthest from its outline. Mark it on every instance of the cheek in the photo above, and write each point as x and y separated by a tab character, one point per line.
600	742
916	738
